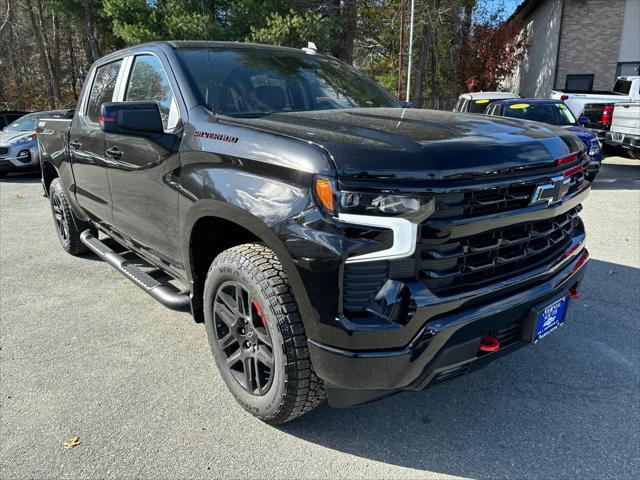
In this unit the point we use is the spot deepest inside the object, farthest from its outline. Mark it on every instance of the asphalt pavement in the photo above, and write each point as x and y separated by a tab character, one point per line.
84	352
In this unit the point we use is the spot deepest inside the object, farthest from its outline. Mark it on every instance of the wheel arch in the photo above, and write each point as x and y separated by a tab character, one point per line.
49	173
201	245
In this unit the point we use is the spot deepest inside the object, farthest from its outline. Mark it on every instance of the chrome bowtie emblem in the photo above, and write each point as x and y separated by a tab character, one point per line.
552	192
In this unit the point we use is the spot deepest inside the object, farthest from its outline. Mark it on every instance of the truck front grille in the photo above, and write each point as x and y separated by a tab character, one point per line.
448	267
478	202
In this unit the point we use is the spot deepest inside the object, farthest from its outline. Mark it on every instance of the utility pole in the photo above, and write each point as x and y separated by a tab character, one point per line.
413	9
403	7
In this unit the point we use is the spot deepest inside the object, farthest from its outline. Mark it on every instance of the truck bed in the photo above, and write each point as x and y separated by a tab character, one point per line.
53	136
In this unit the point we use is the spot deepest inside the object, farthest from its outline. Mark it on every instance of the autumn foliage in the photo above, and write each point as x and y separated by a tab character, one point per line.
492	51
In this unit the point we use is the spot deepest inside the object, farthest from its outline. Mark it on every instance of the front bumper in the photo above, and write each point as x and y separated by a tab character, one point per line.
19	158
445	347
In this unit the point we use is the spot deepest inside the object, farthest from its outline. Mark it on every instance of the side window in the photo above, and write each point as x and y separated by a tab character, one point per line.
148	82
102	89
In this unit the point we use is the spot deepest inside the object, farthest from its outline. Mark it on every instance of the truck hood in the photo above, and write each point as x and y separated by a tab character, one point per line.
582	133
421	144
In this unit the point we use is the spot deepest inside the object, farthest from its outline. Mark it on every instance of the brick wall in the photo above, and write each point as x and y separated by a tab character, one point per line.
590	41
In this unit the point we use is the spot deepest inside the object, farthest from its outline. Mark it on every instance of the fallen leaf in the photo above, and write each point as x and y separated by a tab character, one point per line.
19	197
611	272
68	444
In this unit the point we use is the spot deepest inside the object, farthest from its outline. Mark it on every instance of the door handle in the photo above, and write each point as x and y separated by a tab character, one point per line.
75	144
115	153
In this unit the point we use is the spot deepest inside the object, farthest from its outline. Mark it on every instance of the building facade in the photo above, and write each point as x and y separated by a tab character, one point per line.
576	44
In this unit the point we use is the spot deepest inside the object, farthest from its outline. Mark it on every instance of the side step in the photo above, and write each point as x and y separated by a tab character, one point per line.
162	293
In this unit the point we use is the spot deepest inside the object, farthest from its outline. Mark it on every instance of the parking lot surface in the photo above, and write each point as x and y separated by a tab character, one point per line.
84	352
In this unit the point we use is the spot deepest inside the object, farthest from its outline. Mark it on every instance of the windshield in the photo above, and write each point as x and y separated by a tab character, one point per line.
552	113
23	124
478	106
256	82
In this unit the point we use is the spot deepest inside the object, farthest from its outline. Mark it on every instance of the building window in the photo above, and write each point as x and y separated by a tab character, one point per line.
628	69
579	82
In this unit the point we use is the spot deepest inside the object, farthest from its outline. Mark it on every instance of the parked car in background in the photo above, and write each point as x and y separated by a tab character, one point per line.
9	116
476	102
552	112
18	146
332	241
625	128
597	105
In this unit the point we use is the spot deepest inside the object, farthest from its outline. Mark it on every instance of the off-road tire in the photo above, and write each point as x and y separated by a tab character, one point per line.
69	237
295	388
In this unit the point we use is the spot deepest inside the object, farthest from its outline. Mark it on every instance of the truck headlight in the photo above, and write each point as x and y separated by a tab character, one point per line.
367	203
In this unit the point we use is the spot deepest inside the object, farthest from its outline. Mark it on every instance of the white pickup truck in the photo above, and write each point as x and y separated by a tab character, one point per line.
625	128
597	105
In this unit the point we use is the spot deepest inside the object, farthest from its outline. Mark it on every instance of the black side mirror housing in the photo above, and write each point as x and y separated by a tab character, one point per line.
131	118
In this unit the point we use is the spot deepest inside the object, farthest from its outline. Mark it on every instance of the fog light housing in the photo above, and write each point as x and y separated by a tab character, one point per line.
24	156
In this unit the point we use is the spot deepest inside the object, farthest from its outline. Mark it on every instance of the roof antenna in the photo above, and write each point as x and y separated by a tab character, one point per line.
310	48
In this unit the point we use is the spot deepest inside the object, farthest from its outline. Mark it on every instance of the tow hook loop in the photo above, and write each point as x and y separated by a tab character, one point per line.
489	343
574	293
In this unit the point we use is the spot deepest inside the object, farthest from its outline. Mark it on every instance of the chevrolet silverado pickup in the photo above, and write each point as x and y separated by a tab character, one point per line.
597	105
334	243
625	128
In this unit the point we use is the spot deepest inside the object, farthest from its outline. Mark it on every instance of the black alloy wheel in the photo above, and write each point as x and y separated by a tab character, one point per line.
242	334
60	219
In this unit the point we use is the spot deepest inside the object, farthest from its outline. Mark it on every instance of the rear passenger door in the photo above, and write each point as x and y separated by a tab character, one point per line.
145	205
87	142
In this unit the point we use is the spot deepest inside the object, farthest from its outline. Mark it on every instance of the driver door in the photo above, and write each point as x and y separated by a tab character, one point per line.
145	206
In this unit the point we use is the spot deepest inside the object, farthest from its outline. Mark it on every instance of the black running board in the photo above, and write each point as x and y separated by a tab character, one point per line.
162	293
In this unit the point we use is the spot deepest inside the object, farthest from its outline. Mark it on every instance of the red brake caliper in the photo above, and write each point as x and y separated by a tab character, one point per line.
259	310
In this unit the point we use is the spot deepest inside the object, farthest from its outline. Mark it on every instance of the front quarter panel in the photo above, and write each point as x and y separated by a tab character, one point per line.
255	179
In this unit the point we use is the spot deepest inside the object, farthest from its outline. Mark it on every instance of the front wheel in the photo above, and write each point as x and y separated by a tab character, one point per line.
256	335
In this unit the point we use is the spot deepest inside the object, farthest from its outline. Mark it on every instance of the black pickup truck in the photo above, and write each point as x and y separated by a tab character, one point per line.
334	243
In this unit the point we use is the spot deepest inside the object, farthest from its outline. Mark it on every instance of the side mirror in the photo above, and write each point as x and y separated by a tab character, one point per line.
582	120
131	118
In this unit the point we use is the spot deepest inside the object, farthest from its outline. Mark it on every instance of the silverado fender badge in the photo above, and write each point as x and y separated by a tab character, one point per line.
552	192
215	136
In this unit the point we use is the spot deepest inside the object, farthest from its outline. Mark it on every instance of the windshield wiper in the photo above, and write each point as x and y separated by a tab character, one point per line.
250	114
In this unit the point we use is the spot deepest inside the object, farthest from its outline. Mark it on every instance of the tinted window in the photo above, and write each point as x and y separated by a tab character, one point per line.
257	82
478	106
622	86
149	83
579	82
102	89
552	113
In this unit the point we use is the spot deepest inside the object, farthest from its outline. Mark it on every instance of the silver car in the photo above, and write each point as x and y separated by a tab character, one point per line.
18	146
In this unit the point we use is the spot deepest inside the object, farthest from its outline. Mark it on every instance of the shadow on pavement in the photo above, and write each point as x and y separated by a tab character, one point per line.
615	176
32	177
565	408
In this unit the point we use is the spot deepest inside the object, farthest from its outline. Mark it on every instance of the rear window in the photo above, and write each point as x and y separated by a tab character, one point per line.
622	86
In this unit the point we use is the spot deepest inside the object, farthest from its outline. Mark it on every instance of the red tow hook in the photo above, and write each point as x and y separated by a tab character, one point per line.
489	343
574	293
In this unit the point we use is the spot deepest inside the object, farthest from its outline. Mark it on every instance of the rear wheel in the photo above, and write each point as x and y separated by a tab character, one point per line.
635	154
256	335
68	227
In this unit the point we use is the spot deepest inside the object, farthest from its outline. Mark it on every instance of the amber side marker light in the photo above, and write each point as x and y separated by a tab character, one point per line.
324	192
